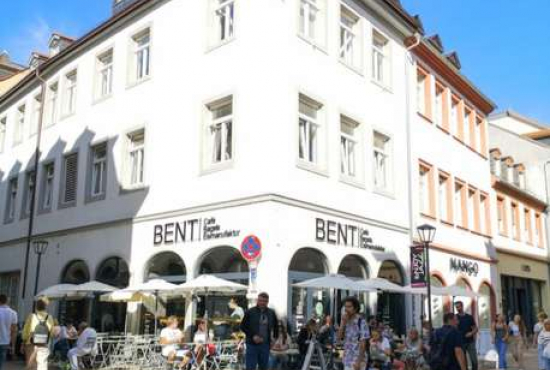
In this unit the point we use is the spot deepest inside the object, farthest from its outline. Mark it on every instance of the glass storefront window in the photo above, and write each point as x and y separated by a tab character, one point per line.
484	306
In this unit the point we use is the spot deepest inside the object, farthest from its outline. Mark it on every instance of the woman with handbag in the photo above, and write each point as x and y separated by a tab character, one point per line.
500	336
544	344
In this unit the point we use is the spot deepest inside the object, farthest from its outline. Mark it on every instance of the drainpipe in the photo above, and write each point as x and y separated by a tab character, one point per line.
34	178
410	166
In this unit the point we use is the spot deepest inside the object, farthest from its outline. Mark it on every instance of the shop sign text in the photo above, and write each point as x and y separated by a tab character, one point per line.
193	230
468	267
336	233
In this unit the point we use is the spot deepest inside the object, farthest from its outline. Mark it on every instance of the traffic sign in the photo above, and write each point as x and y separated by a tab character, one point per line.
251	248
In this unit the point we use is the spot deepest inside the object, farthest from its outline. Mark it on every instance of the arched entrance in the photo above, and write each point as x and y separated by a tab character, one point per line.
226	263
391	306
75	272
170	267
440	304
486	306
356	268
469	303
111	317
307	263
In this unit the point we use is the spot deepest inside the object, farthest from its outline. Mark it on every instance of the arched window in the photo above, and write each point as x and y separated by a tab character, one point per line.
307	263
469	304
353	267
76	272
113	271
485	306
391	306
167	266
438	303
110	317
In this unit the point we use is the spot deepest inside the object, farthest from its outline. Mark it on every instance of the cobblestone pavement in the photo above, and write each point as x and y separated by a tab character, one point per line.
530	363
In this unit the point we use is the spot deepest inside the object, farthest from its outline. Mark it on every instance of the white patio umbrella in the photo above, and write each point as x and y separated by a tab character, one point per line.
91	287
334	281
454	291
384	285
206	284
155	287
59	291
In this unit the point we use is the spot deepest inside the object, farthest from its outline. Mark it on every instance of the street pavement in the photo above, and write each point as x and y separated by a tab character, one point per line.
530	363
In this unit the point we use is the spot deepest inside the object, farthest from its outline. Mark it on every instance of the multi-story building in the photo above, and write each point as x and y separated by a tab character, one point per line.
452	182
520	193
175	129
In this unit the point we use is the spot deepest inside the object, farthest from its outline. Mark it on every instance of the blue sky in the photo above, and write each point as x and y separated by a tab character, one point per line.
504	45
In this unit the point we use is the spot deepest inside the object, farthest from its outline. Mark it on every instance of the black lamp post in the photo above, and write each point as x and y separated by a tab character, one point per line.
426	234
40	247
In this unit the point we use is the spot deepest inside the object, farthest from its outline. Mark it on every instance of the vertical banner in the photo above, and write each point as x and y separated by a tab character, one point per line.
418	267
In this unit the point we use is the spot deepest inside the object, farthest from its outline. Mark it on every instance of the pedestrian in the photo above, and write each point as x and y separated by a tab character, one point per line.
500	336
85	345
468	328
327	333
37	333
447	351
259	324
305	335
544	344
353	333
237	311
8	329
170	339
539	327
517	331
278	356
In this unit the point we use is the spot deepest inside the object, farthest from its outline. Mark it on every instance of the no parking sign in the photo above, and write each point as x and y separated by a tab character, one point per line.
251	248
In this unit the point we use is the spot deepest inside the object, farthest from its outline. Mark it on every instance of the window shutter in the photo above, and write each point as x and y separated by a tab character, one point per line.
71	178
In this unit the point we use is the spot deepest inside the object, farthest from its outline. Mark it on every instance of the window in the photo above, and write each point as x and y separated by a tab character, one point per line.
37	106
70	180
19	125
502	218
30	179
51	97
504	169
98	163
141	57
309	130
136	158
515	221
70	92
46	194
426	190
461	207
441	107
539	237
527	225
473	209
380	58
381	158
348	146
485	217
312	20
104	82
223	17
445	197
11	200
9	286
469	134
219	132
423	94
456	117
480	134
3	124
350	52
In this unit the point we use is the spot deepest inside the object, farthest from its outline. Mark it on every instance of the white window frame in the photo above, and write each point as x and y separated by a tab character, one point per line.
36	110
306	125
47	188
3	125
11	199
70	93
226	126
454	114
438	105
63	188
139	72
52	98
219	9
30	179
387	154
19	129
457	206
350	38
98	170
104	74
424	196
351	165
314	32
421	92
135	156
384	53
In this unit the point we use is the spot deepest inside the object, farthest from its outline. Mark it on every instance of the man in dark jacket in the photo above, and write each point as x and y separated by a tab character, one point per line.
260	326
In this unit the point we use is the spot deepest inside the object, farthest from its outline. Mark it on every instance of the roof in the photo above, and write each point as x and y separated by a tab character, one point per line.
513	114
540	134
8	83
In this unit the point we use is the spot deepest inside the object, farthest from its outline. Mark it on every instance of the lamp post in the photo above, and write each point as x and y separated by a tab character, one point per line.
40	247
426	234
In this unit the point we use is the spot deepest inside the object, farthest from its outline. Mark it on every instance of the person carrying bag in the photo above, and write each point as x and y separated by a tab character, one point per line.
36	337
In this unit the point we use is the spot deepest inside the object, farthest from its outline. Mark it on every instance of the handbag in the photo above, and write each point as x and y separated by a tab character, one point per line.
546	352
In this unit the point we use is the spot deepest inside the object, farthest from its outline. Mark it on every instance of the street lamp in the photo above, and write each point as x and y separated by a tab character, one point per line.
40	247
426	234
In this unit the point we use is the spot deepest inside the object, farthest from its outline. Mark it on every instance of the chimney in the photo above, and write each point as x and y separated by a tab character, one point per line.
120	5
58	43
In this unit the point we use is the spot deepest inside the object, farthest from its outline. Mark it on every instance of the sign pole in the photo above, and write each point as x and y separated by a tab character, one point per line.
251	251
